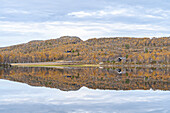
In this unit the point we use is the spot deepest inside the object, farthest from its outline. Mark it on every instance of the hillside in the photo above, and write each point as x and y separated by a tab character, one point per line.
108	50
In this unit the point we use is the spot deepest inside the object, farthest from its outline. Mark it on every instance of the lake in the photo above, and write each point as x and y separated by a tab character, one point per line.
84	90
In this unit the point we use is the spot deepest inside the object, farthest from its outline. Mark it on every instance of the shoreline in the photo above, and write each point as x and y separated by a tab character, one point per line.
66	64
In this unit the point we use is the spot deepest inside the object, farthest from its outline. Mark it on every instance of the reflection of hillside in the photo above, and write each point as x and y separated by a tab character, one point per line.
95	78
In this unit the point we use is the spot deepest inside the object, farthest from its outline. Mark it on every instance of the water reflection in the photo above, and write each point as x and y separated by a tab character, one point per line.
21	98
69	79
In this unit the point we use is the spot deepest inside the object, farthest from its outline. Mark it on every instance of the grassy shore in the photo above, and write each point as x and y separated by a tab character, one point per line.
54	64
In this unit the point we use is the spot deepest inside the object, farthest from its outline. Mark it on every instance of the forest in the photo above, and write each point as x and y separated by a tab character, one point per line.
92	51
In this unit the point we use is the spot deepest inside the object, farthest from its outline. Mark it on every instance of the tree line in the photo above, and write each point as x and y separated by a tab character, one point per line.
107	50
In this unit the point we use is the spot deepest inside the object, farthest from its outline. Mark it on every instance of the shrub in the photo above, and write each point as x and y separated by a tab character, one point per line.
127	46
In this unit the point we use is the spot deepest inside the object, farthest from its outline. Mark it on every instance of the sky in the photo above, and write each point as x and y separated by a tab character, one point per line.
25	20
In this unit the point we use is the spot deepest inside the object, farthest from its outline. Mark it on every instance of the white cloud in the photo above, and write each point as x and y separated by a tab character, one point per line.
97	18
152	16
73	27
137	12
2	17
85	30
100	13
15	11
81	14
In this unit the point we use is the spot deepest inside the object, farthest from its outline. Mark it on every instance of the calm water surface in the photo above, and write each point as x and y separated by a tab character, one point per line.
89	90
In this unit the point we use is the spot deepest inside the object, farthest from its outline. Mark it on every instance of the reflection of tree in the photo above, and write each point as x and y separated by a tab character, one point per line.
0	72
95	78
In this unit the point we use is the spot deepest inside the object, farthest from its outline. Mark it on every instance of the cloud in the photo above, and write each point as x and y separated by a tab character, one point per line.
42	19
23	31
100	13
2	17
74	27
126	11
152	16
81	14
15	11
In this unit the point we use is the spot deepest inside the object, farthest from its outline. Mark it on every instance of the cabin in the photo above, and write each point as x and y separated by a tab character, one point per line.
68	51
121	71
120	59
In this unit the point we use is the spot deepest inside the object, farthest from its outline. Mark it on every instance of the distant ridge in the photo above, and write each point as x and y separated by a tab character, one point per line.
95	50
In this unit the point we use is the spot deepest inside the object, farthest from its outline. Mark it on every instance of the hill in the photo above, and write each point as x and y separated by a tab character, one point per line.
108	50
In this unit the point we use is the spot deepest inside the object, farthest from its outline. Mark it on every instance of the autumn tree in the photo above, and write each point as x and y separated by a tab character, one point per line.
136	50
1	59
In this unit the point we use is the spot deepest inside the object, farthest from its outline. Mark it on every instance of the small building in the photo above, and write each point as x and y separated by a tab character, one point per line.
68	51
121	59
121	71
